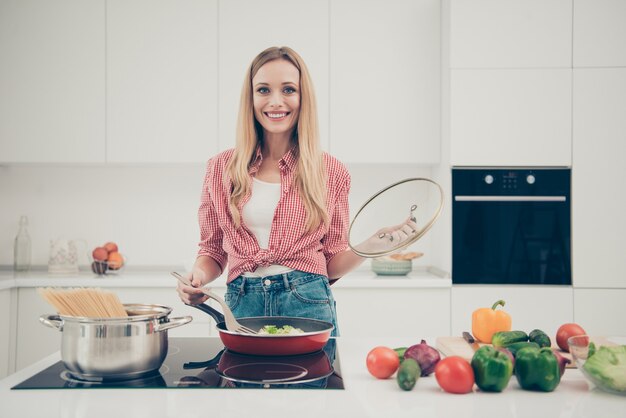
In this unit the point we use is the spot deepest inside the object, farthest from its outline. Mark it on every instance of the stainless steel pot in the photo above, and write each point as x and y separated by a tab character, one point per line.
115	348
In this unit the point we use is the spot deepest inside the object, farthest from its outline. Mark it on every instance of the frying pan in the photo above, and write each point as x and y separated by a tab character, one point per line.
315	336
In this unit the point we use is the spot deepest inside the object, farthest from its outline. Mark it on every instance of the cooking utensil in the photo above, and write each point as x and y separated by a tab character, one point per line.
115	348
416	199
470	340
315	336
231	322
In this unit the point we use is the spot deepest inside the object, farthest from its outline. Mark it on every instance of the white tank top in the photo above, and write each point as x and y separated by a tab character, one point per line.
258	214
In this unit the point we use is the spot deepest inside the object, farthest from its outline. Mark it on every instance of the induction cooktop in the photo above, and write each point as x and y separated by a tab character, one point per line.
205	363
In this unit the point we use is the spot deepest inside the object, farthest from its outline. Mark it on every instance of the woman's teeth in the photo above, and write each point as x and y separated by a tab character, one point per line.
276	115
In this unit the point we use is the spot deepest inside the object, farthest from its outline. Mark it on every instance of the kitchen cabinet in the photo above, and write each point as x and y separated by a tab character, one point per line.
544	307
511	117
600	311
300	24
511	33
599	232
599	33
388	312
6	342
162	85
34	340
52	81
385	75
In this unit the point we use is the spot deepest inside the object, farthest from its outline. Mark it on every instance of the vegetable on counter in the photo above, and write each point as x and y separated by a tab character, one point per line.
539	337
488	321
408	373
564	333
492	369
537	369
506	338
382	362
515	347
400	351
425	355
563	361
454	374
608	365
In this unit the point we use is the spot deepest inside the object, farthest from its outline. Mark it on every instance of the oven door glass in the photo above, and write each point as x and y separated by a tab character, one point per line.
511	243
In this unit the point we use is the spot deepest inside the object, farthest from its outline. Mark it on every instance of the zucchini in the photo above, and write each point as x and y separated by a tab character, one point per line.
539	337
515	347
504	338
408	373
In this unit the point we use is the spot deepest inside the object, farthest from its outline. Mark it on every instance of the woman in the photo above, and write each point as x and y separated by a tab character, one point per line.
275	208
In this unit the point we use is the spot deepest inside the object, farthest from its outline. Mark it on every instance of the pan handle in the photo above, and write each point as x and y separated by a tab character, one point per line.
52	321
214	313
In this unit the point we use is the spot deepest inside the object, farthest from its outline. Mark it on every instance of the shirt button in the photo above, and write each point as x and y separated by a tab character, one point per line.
267	282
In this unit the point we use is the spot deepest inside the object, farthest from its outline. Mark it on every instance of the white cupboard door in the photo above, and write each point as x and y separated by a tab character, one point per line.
5	331
599	33
598	201
52	81
601	311
530	307
161	80
385	81
247	27
410	313
511	117
510	33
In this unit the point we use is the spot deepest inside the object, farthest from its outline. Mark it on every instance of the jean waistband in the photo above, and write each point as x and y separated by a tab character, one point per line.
285	280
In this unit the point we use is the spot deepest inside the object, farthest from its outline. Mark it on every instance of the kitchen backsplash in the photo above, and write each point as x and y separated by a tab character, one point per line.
149	211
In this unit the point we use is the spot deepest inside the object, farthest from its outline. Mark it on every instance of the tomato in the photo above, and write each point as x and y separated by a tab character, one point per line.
565	332
455	375
382	362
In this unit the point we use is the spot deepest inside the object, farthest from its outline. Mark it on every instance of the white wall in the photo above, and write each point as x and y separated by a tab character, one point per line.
150	210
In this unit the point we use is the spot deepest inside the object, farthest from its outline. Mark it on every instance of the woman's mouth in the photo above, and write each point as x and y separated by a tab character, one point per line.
276	116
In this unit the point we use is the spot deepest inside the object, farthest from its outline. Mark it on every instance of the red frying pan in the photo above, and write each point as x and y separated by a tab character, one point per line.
315	336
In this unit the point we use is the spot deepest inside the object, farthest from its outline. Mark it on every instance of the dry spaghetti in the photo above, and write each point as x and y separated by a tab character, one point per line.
81	302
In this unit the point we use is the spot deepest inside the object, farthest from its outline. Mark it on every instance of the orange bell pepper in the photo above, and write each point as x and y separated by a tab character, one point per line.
488	321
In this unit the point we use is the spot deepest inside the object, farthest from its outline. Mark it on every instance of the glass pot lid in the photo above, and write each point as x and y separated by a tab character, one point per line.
395	217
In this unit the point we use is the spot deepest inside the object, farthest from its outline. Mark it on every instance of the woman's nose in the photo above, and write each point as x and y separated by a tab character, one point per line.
276	99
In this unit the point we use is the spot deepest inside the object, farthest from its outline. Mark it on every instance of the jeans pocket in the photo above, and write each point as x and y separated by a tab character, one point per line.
232	298
314	291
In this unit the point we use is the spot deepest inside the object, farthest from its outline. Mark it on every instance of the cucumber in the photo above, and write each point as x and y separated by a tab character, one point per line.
504	338
539	337
515	347
408	373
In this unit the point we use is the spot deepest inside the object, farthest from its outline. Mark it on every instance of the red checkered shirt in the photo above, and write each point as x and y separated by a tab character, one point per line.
289	244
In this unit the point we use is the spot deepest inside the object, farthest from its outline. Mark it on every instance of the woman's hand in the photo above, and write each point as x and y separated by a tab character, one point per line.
388	238
192	295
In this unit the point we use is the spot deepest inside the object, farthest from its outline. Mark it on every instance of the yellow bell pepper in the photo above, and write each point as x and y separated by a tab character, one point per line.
488	321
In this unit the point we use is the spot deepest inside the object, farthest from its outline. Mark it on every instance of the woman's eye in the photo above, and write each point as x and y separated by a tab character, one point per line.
263	90
289	90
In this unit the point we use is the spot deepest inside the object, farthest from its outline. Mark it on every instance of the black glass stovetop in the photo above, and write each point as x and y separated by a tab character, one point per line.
204	363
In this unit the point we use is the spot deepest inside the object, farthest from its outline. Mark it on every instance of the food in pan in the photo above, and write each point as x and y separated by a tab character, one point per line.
284	330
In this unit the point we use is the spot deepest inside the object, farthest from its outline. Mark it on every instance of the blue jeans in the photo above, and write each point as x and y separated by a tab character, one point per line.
296	293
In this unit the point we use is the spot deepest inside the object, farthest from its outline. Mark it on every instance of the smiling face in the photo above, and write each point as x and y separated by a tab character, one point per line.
276	97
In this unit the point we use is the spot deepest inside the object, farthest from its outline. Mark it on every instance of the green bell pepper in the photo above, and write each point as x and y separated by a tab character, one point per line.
537	369
492	369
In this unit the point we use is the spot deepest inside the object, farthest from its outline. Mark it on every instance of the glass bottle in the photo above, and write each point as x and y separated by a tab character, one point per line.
21	261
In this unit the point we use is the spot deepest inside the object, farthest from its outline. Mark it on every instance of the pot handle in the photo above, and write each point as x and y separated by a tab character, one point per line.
215	314
52	321
172	323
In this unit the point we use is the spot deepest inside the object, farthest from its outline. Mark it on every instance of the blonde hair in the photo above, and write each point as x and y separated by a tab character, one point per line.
309	177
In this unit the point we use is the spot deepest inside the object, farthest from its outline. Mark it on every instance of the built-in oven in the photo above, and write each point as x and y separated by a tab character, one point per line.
511	226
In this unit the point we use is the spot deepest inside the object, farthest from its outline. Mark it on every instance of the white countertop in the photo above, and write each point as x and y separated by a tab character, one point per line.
364	396
420	277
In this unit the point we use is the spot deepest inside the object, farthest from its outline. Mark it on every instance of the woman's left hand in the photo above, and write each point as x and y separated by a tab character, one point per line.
386	239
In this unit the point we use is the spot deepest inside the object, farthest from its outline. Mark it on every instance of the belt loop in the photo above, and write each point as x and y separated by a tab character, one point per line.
242	290
286	280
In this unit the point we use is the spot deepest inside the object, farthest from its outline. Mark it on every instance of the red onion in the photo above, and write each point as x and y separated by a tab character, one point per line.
426	356
562	360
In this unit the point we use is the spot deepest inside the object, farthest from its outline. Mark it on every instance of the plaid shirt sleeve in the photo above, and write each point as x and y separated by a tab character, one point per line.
211	235
336	239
